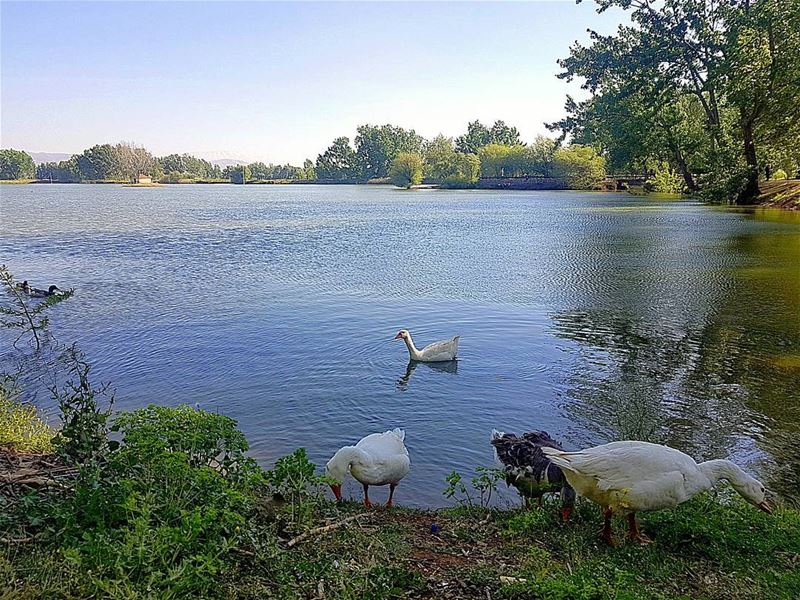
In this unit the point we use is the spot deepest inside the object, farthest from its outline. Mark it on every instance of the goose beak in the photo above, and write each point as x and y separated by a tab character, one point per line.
765	507
337	491
398	337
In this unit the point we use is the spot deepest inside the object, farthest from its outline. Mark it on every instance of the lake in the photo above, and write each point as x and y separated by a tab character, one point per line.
594	316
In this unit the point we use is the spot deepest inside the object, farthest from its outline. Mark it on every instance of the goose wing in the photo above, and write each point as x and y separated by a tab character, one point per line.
443	350
624	465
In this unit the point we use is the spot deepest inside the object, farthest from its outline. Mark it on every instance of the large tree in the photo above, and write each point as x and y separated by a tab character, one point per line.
16	164
377	146
338	162
729	67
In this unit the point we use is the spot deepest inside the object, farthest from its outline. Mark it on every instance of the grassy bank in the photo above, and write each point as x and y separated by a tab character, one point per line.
178	510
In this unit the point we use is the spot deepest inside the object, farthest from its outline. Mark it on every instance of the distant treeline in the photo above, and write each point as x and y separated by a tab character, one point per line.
379	152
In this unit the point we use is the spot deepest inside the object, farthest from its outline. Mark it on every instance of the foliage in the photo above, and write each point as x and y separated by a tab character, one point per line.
185	166
151	520
16	164
779	174
406	170
206	439
483	486
84	423
378	146
689	81
293	480
664	180
338	162
22	428
581	166
21	314
478	136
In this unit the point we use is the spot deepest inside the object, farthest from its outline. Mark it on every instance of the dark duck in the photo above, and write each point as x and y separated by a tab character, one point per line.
529	470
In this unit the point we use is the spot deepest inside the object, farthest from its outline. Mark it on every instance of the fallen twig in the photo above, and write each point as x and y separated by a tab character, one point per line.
325	529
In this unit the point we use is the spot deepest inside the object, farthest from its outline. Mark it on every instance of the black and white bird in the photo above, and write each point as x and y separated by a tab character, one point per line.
529	470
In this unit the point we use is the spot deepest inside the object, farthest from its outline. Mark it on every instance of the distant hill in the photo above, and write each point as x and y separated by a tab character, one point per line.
43	157
228	162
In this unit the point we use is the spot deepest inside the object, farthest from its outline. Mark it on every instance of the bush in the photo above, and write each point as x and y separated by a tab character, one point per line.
160	514
406	170
580	166
779	174
664	180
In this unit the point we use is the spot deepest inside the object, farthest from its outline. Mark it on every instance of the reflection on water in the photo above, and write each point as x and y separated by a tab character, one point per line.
450	366
591	316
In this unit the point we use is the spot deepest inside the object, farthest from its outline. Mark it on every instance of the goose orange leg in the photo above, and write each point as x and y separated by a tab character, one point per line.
607	537
634	533
367	503
391	494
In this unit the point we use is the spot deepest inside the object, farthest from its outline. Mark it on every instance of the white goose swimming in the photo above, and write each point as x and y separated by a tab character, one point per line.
378	459
435	352
631	476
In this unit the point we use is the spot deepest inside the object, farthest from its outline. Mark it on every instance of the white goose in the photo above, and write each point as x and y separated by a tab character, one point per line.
631	476
378	459
435	352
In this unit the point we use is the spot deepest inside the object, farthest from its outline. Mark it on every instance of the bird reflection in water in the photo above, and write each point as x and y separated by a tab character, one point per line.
450	366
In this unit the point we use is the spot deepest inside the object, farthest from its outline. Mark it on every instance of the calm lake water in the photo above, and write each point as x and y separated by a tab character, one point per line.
593	316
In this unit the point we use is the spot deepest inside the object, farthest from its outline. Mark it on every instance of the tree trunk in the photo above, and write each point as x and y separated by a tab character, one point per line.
750	191
688	178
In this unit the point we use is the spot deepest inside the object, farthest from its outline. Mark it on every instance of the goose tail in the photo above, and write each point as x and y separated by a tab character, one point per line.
558	458
399	433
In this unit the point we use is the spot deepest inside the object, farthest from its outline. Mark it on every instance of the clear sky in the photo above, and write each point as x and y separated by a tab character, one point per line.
277	81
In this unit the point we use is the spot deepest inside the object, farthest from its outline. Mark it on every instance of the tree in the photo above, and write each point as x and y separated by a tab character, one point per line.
721	73
377	146
464	171
308	171
98	163
239	174
580	166
541	155
338	162
131	160
406	170
439	157
501	133
16	164
66	171
477	136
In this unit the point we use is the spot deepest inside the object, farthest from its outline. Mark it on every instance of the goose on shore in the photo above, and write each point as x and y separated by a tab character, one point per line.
529	470
435	352
630	476
377	459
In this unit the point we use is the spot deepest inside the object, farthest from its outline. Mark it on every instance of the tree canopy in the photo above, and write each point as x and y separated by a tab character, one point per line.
16	164
707	86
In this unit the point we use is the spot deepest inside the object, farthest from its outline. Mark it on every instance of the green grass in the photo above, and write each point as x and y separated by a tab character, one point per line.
22	429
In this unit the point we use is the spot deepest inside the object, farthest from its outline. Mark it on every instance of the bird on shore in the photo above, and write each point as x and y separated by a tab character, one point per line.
377	459
435	352
630	476
529	470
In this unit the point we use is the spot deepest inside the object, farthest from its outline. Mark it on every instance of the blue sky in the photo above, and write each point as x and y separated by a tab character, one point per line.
277	81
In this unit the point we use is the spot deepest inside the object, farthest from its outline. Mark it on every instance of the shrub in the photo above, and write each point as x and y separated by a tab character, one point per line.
665	180
294	480
779	174
406	170
483	485
580	166
84	428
